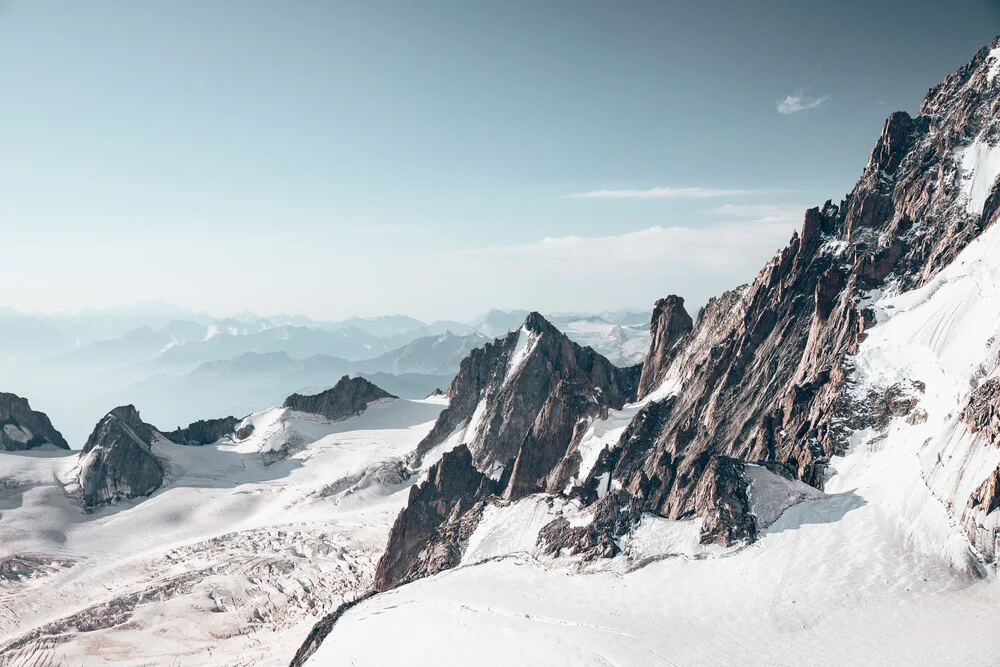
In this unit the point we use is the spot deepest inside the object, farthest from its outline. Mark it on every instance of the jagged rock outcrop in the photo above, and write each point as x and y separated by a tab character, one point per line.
117	462
204	431
519	406
521	400
982	417
430	532
770	373
243	432
350	396
614	515
982	411
24	428
669	325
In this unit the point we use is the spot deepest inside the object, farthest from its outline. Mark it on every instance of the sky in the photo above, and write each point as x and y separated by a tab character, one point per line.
437	158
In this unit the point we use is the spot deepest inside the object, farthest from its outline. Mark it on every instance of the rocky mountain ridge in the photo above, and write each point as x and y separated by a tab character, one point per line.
519	407
764	375
350	396
117	461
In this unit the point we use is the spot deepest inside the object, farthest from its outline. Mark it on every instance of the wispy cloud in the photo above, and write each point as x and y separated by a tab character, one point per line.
761	212
665	192
800	101
713	245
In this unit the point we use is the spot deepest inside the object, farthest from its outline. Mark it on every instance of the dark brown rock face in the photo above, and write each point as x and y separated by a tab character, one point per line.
614	515
350	396
117	461
670	324
430	533
204	431
475	373
23	428
982	412
763	373
521	398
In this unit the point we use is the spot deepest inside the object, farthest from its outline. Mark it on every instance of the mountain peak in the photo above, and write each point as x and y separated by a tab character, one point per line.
117	461
536	323
350	396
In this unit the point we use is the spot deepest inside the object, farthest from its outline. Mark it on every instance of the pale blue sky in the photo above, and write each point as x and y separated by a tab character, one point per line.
339	158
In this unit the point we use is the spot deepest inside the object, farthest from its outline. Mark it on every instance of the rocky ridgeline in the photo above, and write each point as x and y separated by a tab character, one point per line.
519	406
23	428
350	396
204	432
668	328
764	372
760	376
118	461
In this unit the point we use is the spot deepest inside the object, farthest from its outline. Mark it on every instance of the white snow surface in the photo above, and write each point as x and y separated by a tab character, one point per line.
944	335
656	538
980	167
509	529
231	562
994	66
526	342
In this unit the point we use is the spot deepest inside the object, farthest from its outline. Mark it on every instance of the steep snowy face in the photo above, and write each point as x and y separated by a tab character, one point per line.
933	356
24	428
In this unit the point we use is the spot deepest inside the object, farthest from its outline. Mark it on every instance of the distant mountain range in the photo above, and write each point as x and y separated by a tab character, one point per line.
179	365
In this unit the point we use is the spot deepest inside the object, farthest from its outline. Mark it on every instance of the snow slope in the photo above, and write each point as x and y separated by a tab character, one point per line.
832	582
944	336
875	570
230	563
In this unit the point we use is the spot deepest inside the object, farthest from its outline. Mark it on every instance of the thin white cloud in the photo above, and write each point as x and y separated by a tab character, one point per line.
761	212
800	102
665	192
588	273
716	245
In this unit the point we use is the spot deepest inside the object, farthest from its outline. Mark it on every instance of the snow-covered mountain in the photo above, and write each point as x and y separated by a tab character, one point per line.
233	557
805	472
821	441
